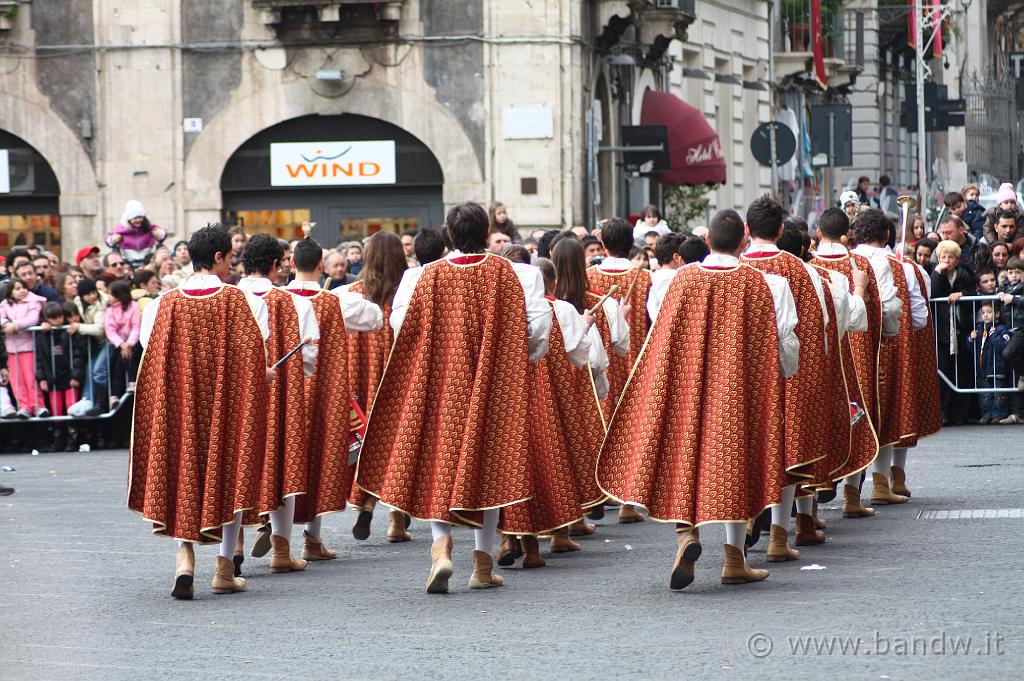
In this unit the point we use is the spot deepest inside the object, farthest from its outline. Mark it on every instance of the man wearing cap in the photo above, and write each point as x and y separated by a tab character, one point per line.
88	259
849	201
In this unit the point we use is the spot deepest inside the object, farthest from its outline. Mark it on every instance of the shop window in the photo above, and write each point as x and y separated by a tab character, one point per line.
356	229
284	224
30	230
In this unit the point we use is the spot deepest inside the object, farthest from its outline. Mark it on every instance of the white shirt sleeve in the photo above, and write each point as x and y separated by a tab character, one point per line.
148	319
618	327
656	296
858	313
574	333
360	314
538	312
918	302
259	311
598	362
816	280
785	324
892	306
400	303
308	328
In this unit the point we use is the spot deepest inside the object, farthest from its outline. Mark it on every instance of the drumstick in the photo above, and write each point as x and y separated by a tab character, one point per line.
611	292
632	284
305	341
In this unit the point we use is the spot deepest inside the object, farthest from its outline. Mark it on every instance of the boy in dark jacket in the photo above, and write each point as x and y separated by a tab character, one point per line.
55	366
989	339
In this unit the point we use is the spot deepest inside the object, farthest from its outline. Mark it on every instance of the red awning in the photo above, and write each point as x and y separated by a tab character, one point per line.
695	151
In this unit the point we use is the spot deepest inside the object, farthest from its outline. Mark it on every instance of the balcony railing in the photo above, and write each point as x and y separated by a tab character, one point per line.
842	30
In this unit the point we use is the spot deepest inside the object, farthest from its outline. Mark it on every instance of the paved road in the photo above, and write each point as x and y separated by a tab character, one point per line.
84	594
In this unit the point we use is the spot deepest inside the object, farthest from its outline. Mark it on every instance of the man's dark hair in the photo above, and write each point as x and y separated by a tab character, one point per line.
564	234
105	260
929	243
957	222
206	243
429	245
413	232
544	244
871	227
589	240
693	249
516	253
468	224
143	277
863	178
764	218
725	231
260	254
791	239
617	237
307	255
50	311
834	223
667	246
884	181
952	199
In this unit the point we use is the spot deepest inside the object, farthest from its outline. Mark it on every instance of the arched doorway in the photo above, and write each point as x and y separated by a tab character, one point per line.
352	175
29	197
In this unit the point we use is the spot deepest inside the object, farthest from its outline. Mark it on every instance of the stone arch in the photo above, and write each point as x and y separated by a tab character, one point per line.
51	137
421	116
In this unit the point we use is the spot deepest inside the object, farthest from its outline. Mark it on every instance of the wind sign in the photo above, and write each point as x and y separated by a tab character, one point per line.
309	164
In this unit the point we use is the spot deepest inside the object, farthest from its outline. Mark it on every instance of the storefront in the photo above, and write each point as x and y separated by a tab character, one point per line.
351	175
29	197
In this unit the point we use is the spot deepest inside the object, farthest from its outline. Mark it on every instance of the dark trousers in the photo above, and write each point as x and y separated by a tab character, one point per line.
994	405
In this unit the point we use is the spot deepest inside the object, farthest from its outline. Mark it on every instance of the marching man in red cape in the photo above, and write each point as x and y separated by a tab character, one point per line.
715	361
447	439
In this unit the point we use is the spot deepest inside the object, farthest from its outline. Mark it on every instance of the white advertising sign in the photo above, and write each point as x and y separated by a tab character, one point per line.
309	164
528	122
5	173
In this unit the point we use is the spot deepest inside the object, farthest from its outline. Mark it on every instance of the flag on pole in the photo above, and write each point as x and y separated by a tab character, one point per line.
912	26
818	45
937	22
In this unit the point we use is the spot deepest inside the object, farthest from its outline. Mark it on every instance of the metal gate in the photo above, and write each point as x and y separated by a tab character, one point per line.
954	345
990	129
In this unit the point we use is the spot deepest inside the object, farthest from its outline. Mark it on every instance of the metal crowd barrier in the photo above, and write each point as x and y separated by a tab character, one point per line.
88	387
962	318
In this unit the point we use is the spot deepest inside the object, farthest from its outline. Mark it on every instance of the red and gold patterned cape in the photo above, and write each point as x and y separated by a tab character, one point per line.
284	470
367	357
698	434
896	380
817	387
330	475
449	429
865	344
200	415
566	430
928	414
636	283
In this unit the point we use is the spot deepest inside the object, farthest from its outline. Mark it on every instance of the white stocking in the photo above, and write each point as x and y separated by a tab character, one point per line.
439	530
283	518
805	505
230	537
781	511
883	463
313	528
852	480
736	535
484	536
899	457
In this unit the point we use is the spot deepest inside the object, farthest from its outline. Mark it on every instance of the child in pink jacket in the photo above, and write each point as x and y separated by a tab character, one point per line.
122	324
19	310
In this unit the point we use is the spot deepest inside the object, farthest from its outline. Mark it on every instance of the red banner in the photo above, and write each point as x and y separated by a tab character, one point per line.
937	21
912	25
818	44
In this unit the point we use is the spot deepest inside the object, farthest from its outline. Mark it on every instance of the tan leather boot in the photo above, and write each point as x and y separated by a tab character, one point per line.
899	481
778	546
881	495
852	507
184	573
628	514
581	528
531	553
686	558
482	577
239	556
806	534
736	571
261	546
396	528
441	567
819	523
281	556
224	580
313	548
509	550
561	543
